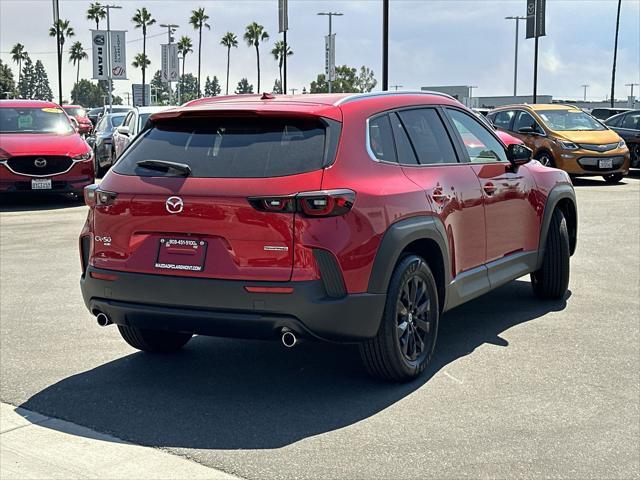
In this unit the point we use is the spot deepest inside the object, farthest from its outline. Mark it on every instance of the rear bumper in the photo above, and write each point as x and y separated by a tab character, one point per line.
225	308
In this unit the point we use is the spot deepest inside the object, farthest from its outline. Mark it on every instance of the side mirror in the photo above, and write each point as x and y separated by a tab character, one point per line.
74	123
123	130
519	154
526	130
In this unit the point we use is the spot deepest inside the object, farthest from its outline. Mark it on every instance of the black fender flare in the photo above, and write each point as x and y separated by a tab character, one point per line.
397	237
557	194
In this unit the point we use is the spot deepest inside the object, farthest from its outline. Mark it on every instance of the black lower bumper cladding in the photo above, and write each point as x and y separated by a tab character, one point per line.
225	308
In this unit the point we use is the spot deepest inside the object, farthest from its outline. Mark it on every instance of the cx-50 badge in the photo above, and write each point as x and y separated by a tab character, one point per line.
40	162
174	205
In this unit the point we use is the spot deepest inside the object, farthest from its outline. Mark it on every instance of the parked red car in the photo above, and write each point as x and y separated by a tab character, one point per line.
349	218
80	114
40	149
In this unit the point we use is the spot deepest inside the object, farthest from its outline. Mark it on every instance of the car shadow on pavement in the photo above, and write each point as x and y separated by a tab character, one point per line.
29	203
222	394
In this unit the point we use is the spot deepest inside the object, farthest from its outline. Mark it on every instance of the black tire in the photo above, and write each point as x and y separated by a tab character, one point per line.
387	356
613	178
98	169
546	159
551	281
156	341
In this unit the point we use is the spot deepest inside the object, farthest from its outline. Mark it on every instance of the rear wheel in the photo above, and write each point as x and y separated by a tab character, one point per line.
613	177
157	341
407	336
546	159
551	281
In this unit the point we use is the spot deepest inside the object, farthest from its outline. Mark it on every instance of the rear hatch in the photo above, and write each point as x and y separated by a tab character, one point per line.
177	202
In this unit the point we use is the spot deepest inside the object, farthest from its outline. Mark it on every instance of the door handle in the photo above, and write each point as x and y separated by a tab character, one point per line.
489	188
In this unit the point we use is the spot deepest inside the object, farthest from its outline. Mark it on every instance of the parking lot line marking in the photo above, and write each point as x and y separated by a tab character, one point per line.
453	378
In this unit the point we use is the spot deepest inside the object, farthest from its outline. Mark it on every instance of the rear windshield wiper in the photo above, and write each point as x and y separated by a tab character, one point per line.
166	166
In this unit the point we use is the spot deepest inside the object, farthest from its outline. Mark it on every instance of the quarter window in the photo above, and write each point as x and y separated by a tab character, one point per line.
381	139
428	136
481	146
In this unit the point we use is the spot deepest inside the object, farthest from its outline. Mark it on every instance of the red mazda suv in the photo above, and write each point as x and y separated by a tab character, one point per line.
346	218
40	150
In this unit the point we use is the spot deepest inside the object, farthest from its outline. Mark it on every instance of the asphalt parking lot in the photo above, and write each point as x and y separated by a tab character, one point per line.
518	387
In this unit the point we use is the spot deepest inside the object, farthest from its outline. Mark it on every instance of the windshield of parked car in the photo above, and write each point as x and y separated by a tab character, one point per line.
569	120
34	120
76	111
230	147
110	122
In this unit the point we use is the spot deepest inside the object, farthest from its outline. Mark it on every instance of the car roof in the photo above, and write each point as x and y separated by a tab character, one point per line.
151	109
28	103
72	106
320	104
539	106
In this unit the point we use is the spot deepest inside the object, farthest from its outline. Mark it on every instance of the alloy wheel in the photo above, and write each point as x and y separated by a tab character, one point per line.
413	314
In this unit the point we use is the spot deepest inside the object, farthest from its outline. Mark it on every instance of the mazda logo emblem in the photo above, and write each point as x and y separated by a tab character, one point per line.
174	205
40	162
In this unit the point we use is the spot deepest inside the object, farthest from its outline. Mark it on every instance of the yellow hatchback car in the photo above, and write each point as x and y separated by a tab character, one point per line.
565	137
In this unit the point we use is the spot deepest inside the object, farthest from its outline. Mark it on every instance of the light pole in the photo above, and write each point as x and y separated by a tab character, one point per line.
109	73
515	66
585	86
56	22
330	15
631	95
396	87
293	91
471	87
385	45
180	83
171	29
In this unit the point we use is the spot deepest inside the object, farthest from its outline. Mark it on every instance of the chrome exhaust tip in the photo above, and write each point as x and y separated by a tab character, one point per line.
103	320
289	339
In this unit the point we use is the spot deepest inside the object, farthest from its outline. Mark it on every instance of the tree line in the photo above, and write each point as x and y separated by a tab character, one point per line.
189	86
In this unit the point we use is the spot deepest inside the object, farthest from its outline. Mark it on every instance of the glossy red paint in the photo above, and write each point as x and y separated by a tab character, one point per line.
69	157
84	124
488	210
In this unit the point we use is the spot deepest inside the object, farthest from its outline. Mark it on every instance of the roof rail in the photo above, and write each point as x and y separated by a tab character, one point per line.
360	96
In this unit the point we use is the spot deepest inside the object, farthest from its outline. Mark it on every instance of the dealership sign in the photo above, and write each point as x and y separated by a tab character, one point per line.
99	46
536	13
170	71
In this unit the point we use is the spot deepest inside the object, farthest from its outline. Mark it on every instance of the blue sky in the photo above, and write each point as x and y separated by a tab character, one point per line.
432	42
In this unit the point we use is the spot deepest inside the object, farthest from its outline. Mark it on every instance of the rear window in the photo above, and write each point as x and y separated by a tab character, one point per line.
234	147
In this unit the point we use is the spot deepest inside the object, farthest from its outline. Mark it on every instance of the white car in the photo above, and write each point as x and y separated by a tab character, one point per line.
132	125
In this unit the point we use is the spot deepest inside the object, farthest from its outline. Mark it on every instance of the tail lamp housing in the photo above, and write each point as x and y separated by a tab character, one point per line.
322	203
95	197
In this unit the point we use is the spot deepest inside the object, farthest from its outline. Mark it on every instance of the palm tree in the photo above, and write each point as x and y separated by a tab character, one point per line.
278	53
184	47
140	61
253	35
18	54
198	20
229	40
615	57
61	30
77	53
143	19
96	12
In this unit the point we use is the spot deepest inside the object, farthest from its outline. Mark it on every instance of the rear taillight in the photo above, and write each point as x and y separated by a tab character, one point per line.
324	203
94	197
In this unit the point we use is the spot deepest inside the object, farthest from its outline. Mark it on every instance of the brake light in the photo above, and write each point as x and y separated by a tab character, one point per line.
324	203
94	197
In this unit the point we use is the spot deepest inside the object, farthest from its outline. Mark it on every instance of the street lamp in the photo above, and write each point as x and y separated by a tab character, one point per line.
396	87
471	87
515	66
585	91
330	53
631	94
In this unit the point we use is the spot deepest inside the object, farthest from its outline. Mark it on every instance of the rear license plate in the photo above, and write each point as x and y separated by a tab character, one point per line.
186	254
606	163
41	184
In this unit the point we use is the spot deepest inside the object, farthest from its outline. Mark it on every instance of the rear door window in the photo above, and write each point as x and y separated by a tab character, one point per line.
234	147
428	135
503	119
631	121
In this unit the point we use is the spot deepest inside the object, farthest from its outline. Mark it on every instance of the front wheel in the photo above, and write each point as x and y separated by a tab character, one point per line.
613	178
551	281
407	335
155	341
546	159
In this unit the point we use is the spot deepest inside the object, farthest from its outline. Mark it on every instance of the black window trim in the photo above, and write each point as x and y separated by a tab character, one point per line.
443	118
460	142
518	111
